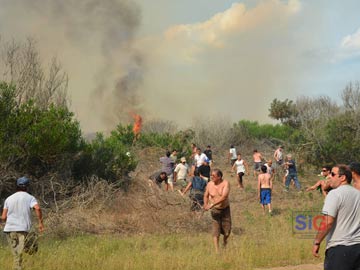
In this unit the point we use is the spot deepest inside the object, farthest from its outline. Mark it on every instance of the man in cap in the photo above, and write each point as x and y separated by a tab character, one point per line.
17	215
181	171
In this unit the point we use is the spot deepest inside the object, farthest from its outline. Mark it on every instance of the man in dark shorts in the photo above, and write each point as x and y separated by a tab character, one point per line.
340	223
216	198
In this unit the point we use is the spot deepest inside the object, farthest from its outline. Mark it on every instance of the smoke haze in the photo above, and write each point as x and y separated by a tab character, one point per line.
233	63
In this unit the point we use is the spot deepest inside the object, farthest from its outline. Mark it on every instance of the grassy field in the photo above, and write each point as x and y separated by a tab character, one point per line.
257	241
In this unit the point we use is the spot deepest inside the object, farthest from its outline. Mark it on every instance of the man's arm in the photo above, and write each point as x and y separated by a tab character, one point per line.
246	168
325	227
206	198
39	216
187	188
318	183
259	186
4	215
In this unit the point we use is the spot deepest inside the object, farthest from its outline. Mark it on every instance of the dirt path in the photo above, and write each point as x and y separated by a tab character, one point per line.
297	267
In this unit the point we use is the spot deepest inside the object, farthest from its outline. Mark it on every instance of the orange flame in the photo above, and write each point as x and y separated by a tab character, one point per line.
137	124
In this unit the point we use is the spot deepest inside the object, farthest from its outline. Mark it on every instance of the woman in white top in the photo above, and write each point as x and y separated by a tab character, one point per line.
241	167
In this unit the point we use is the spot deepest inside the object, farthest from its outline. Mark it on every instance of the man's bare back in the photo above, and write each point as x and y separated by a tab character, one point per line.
264	180
257	157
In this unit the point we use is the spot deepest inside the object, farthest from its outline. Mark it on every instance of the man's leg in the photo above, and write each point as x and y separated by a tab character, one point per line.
216	243
287	181
297	183
17	243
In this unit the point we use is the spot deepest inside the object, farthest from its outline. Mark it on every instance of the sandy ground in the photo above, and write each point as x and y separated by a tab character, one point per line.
297	267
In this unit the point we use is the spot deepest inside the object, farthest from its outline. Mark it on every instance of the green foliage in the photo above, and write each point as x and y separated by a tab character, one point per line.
30	134
179	141
342	145
285	111
253	130
108	158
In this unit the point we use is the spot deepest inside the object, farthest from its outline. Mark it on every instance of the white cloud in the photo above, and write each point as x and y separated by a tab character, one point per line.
349	48
351	42
216	31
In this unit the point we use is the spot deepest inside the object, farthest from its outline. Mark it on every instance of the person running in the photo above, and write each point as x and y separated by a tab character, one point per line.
340	223
265	186
278	156
323	184
17	215
197	187
216	199
181	171
241	167
292	173
232	156
257	157
270	169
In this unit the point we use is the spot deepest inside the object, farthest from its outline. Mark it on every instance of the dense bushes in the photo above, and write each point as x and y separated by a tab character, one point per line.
32	136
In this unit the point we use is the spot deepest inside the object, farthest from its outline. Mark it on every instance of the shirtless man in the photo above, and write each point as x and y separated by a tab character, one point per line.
216	198
278	156
265	188
323	185
257	161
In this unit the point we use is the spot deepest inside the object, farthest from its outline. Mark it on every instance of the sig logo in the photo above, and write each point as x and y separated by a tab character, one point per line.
307	223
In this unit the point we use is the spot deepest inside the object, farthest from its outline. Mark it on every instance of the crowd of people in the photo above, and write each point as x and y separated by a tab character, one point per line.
340	184
209	191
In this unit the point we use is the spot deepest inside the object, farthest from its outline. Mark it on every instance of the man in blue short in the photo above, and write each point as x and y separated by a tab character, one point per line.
265	188
341	224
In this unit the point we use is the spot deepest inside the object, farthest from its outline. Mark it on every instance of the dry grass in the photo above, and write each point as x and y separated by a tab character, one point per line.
148	228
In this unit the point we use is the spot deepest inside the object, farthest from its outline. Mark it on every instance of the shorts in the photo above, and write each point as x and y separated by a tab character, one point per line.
221	221
181	182
265	196
257	166
342	257
171	179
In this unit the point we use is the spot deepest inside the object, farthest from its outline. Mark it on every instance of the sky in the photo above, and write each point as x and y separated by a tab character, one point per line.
181	60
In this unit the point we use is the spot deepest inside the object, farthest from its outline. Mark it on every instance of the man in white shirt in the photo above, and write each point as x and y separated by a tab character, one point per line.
199	158
340	223
232	156
17	215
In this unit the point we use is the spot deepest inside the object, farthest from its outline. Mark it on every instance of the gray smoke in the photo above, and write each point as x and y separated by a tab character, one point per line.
108	27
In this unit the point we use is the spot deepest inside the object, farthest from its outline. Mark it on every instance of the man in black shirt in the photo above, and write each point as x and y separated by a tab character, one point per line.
208	153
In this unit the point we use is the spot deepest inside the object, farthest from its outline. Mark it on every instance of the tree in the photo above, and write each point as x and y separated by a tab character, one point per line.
21	65
285	111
